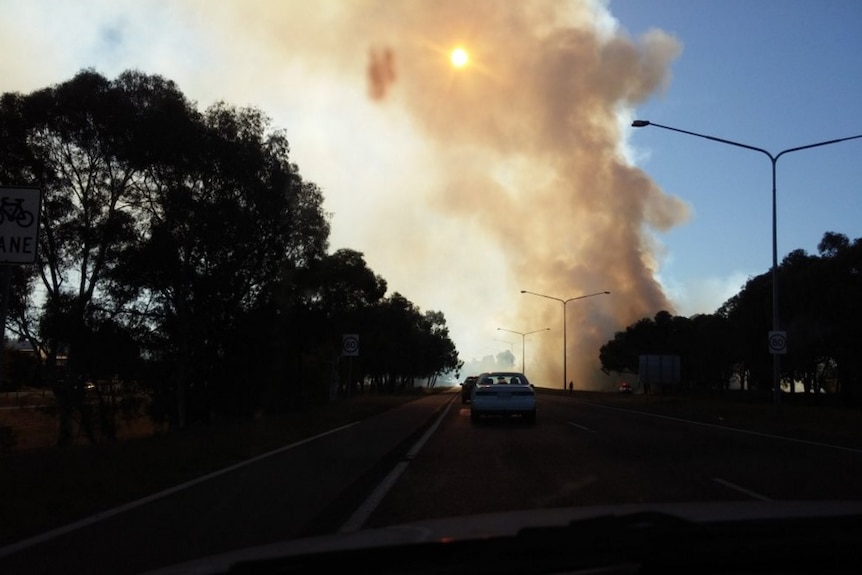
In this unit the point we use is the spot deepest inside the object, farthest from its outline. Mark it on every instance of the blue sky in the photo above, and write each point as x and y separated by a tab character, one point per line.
463	187
774	74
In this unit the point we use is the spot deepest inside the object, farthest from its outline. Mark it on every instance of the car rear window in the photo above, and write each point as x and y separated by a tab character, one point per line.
504	380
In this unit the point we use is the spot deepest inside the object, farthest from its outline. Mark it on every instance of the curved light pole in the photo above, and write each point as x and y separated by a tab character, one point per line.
565	302
773	158
523	348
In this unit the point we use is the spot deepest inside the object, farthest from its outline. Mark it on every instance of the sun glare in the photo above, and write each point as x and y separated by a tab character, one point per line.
459	57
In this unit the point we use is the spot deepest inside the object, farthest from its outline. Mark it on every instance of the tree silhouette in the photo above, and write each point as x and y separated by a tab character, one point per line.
821	299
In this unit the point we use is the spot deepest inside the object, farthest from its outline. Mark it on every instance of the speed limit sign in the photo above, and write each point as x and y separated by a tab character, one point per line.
777	342
350	344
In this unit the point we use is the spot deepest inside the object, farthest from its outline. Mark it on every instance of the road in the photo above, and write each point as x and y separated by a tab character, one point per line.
577	454
302	489
586	454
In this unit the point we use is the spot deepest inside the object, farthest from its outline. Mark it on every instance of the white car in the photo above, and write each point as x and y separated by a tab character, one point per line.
503	393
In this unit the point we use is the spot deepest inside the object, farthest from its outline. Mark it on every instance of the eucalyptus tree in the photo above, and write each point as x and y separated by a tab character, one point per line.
75	141
749	313
166	222
839	296
821	312
319	303
219	218
438	352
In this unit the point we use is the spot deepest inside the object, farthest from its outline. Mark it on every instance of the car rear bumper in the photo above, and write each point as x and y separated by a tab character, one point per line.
503	411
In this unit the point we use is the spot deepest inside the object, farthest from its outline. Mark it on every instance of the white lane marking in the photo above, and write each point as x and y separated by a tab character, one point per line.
726	428
581	427
364	511
41	538
735	487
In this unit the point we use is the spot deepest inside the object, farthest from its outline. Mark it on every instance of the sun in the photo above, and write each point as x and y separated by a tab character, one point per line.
459	57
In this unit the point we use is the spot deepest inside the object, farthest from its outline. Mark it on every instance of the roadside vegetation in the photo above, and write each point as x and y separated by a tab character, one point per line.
184	269
820	298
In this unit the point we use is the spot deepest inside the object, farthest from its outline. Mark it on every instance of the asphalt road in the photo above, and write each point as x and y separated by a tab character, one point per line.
577	454
583	454
303	489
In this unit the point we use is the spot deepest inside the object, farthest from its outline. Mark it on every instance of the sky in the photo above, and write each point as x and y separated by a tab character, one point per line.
463	186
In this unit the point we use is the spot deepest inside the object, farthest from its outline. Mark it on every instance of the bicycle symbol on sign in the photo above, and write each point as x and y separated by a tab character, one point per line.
13	211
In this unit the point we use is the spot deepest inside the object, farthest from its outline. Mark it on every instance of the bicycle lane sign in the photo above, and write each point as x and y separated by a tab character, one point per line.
19	224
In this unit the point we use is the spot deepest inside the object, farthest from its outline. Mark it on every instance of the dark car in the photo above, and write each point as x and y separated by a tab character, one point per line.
467	388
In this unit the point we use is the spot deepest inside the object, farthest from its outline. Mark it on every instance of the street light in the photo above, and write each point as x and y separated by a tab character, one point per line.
773	158
565	302
523	348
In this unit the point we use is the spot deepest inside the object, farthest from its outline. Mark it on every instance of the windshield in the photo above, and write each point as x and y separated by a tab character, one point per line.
366	273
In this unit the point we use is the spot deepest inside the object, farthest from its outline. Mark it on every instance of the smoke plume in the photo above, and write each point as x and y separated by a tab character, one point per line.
461	186
530	136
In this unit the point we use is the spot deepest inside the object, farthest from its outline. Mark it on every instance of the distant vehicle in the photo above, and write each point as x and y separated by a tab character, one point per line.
503	393
625	387
467	388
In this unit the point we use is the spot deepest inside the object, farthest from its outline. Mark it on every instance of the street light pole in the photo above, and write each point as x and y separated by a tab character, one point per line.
773	158
523	347
565	302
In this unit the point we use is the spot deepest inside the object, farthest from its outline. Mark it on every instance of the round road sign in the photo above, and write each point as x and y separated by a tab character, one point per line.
777	342
350	344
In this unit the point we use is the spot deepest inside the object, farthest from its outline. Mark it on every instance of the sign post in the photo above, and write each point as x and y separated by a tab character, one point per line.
19	237
350	348
350	344
777	342
19	224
